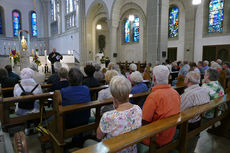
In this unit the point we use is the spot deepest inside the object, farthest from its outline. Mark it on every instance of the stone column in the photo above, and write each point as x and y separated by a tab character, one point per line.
189	31
113	42
157	30
82	32
24	59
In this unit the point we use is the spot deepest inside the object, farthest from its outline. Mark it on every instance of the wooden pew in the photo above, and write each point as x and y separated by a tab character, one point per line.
149	131
5	103
57	129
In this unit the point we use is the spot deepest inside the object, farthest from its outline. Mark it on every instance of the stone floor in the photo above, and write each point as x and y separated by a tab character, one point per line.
207	143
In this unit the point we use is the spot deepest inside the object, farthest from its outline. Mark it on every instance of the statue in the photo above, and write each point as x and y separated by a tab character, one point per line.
24	44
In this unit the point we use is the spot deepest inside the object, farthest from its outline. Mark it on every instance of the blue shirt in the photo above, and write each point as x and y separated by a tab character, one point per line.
205	68
76	95
138	88
14	75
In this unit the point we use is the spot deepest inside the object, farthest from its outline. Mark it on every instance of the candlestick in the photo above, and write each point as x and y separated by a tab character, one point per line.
45	56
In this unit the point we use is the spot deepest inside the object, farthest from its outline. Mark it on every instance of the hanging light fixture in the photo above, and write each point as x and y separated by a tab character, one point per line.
131	18
99	27
196	2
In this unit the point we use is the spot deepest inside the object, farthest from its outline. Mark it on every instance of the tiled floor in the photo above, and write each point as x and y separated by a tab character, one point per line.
206	144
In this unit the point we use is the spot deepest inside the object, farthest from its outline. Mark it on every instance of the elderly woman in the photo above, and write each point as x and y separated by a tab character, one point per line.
28	85
90	81
98	74
138	85
63	82
126	116
105	93
132	68
211	83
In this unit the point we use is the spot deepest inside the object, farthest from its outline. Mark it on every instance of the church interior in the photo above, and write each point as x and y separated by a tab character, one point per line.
106	76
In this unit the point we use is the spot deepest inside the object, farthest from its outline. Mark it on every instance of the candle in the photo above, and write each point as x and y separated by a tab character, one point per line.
12	63
45	56
32	52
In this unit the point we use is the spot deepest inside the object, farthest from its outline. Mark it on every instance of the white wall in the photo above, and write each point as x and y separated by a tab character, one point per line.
201	41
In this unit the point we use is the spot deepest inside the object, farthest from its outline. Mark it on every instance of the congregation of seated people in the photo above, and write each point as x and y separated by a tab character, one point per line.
123	115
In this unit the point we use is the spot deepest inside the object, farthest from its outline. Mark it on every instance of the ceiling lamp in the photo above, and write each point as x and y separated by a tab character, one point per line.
196	2
99	27
131	18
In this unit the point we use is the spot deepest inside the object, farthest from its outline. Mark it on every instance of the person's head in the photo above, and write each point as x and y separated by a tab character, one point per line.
54	50
205	63
120	88
192	78
97	67
185	62
3	73
132	67
27	73
192	65
226	65
8	68
216	66
211	75
136	77
75	76
150	64
117	68
63	73
167	61
89	70
109	75
160	74
57	66
200	64
111	66
219	61
34	66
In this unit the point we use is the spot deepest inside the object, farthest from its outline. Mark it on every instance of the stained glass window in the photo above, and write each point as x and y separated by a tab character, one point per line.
127	31
136	29
16	22
34	24
53	10
216	16
173	22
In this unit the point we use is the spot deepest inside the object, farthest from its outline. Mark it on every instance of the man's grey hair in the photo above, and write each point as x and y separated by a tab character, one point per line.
120	87
193	77
219	61
161	74
97	67
136	77
213	74
57	66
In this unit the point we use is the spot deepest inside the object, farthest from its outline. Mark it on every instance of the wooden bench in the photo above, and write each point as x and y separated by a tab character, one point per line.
57	129
120	142
8	120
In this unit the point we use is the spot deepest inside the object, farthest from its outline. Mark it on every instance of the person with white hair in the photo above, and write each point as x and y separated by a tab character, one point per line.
126	116
38	77
216	66
28	84
163	102
205	65
132	68
219	61
137	85
54	78
193	95
98	74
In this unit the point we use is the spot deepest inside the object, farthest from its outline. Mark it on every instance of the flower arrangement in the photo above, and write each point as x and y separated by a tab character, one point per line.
15	56
36	58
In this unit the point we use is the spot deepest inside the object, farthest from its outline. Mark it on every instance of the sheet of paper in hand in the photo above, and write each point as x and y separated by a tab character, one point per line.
58	57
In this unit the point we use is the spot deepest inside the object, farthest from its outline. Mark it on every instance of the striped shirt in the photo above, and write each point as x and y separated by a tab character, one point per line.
194	96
